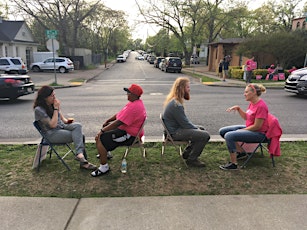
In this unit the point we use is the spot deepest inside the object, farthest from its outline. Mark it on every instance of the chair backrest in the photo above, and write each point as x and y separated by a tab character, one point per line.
138	135
39	129
166	134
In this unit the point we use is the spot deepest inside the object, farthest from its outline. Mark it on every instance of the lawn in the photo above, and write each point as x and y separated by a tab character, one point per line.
153	176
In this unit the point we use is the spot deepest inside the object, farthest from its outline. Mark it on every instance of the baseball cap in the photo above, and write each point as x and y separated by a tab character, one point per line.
135	89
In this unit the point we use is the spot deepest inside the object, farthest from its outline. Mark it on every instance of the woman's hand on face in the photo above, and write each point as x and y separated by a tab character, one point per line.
56	103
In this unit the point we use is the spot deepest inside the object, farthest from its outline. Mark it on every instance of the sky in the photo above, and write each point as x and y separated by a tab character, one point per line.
143	31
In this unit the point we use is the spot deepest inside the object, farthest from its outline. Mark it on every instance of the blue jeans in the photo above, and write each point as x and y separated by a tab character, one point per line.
235	133
198	138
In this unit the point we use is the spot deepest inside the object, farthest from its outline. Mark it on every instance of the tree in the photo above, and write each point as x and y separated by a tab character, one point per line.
66	16
277	45
175	16
4	10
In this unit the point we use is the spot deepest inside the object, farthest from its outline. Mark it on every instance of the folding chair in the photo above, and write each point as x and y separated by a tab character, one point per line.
168	140
271	139
137	143
255	147
46	142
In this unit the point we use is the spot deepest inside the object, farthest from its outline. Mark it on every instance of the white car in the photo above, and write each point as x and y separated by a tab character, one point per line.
62	64
13	65
121	58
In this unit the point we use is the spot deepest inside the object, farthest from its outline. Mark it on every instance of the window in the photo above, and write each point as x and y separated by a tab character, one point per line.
16	61
298	24
4	62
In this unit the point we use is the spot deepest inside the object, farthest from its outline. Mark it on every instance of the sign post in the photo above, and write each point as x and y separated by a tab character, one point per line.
51	34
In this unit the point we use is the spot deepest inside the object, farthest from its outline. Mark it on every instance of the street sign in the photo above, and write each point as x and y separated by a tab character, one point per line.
51	34
52	45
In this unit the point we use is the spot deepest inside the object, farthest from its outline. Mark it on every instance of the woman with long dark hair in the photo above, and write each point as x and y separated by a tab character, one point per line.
57	128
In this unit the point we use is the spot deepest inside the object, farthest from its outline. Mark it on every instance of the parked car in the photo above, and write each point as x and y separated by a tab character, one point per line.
161	64
62	64
173	64
121	58
157	61
14	86
140	57
297	82
151	59
194	59
13	65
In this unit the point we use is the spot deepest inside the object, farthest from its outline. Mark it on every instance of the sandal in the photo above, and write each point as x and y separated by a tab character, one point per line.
81	160
88	166
97	172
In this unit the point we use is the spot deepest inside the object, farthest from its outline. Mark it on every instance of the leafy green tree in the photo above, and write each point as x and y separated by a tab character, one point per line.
175	16
277	45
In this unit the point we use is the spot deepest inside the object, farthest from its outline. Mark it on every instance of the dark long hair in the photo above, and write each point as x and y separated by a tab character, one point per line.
42	94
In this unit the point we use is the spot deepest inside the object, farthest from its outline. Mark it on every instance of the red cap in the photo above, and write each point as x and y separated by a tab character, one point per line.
135	89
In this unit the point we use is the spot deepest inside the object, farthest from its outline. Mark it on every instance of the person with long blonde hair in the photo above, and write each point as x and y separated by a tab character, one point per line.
180	127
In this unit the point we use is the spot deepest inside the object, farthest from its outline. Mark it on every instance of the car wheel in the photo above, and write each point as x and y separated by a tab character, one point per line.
36	69
62	69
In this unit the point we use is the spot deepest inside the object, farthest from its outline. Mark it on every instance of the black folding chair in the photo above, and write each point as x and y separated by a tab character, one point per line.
46	142
261	146
137	143
167	139
267	140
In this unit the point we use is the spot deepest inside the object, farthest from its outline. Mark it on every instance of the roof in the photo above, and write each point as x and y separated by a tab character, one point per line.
228	41
9	29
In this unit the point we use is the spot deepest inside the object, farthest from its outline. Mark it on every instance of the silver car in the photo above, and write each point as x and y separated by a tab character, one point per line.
62	64
297	82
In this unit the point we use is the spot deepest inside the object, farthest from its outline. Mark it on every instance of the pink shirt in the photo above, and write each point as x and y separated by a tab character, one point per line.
133	116
258	110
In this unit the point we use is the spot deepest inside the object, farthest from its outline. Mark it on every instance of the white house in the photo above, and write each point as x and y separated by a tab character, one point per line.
16	40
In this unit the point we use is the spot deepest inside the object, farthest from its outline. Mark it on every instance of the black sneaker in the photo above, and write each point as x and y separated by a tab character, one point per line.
186	152
195	163
241	156
229	166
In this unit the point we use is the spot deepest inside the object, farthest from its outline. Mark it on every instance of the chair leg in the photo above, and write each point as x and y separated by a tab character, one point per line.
273	161
60	158
39	158
249	157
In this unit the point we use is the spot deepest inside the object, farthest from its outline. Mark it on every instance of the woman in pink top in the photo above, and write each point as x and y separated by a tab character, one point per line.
256	125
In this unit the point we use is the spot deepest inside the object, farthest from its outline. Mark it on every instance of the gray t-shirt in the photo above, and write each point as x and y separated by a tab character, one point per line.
43	118
175	118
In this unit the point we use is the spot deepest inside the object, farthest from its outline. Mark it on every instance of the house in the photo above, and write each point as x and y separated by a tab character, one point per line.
16	40
218	50
299	23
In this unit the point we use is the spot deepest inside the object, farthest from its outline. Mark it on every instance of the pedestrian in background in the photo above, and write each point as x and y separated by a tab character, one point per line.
220	69
250	66
226	64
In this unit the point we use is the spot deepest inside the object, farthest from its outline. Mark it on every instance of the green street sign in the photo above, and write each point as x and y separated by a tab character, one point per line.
51	34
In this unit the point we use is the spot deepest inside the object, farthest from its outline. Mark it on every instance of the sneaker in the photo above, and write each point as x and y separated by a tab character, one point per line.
195	163
229	166
241	156
186	152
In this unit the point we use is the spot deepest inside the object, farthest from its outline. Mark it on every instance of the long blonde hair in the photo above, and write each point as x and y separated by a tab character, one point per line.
177	91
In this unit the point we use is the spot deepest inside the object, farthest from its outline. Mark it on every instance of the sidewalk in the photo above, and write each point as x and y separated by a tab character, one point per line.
263	212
